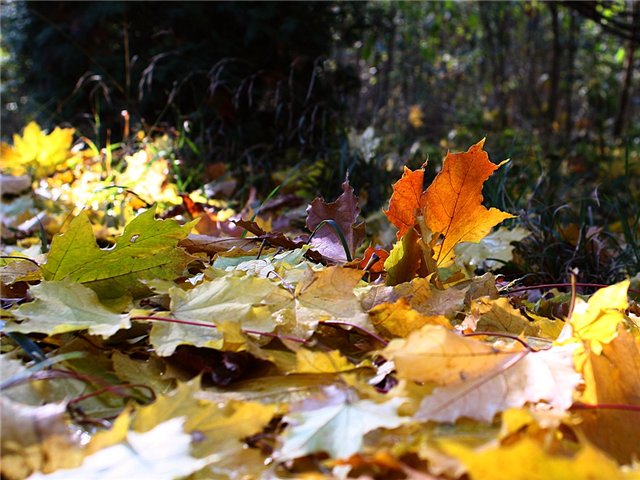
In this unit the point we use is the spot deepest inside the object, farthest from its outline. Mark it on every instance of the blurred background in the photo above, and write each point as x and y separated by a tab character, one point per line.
326	88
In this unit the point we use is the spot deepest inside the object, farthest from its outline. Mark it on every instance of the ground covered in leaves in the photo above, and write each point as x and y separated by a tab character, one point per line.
149	333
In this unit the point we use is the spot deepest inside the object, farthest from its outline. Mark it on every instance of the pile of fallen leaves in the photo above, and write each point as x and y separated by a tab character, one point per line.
212	343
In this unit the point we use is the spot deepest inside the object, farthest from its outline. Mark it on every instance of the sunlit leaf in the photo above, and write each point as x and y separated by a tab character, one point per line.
399	319
321	362
597	322
454	201
146	249
335	425
161	453
528	460
407	201
546	376
477	379
611	378
37	151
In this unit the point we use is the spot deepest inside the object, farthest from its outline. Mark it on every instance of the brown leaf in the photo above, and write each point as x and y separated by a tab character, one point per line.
344	211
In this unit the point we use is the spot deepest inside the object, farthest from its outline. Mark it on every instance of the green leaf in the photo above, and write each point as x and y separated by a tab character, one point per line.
146	249
65	306
335	425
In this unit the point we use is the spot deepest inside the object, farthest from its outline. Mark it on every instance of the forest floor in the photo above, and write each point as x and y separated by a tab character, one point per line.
150	332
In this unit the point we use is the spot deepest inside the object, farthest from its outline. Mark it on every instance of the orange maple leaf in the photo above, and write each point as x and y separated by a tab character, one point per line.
452	205
454	201
407	200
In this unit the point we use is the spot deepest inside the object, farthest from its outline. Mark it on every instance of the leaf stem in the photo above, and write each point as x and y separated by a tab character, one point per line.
336	228
21	258
116	390
211	325
566	284
605	406
503	335
373	335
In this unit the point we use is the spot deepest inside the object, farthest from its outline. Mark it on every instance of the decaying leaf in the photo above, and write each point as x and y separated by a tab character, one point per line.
344	212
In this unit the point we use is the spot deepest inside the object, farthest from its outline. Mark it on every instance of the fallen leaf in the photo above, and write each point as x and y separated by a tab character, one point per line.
65	306
611	378
36	438
146	249
492	252
527	460
405	259
596	323
378	265
437	354
344	212
407	201
161	453
546	376
336	425
37	151
232	297
454	202
327	295
399	319
322	362
497	315
478	379
18	269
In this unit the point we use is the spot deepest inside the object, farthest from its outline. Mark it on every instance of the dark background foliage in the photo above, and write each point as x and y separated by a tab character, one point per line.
268	87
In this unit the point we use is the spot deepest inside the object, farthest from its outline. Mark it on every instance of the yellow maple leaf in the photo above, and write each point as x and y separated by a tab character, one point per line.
478	379
399	319
416	116
37	151
611	378
596	323
527	460
321	362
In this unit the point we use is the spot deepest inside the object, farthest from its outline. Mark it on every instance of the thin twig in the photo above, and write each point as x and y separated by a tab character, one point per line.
211	325
373	335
